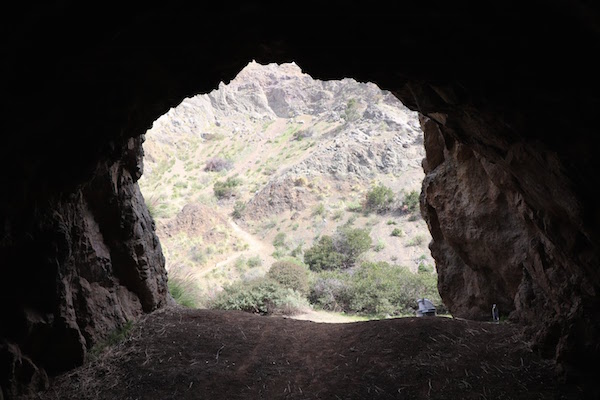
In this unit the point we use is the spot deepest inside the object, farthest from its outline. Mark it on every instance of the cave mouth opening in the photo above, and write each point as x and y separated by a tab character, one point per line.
305	189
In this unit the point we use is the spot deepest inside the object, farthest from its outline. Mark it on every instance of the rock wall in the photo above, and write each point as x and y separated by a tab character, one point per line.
78	268
501	236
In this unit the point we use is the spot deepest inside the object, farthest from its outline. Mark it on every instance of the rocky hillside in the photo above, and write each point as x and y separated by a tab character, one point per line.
293	158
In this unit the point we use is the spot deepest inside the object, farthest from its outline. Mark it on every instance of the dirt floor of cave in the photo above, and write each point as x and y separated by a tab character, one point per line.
179	353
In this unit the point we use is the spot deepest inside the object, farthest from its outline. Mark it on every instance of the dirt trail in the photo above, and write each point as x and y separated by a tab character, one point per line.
184	354
255	247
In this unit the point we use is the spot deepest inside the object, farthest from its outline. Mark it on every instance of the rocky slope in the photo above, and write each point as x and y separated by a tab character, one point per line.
304	153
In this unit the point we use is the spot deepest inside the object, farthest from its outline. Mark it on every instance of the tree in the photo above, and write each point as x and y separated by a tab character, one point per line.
322	256
351	243
340	251
290	275
411	201
226	189
379	198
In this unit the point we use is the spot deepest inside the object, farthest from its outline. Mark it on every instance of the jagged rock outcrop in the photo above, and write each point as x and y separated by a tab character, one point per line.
83	265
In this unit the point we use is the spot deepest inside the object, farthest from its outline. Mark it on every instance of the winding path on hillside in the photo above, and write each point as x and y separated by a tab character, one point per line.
255	247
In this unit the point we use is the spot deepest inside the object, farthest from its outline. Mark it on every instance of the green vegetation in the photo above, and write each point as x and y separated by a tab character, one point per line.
254	261
226	189
374	288
351	113
279	240
181	293
425	268
290	275
397	232
238	209
379	199
261	296
379	246
417	240
340	251
114	338
319	210
411	201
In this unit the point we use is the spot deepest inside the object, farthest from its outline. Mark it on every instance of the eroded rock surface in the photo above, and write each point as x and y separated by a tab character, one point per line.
83	265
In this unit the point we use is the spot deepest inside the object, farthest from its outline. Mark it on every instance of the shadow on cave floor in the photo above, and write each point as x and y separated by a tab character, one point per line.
179	353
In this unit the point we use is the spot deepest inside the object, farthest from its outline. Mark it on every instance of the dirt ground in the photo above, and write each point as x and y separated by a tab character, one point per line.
178	353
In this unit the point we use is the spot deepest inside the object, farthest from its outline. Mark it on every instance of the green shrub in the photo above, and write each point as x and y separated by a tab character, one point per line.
373	288
238	209
352	242
417	240
425	268
261	296
354	207
290	275
181	293
330	290
279	240
340	251
114	338
254	261
379	199
338	215
397	232
323	256
411	201
319	210
379	246
227	188
351	113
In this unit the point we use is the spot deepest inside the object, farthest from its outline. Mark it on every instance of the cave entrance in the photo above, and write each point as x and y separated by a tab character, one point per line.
278	181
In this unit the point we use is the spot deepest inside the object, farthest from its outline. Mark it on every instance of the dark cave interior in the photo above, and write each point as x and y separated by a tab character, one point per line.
508	95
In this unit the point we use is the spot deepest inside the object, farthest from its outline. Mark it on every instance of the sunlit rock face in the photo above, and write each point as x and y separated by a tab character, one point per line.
509	97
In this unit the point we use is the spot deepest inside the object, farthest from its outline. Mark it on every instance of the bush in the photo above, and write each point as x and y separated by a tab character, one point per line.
304	133
217	164
373	288
181	293
254	261
397	232
323	256
279	240
340	251
352	242
330	291
411	201
261	296
227	188
417	240
319	210
351	113
290	275
425	268
379	199
238	209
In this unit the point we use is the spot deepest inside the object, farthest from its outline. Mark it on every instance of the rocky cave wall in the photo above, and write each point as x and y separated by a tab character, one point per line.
508	95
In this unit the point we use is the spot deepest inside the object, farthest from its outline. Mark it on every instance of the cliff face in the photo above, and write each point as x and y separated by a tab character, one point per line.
503	233
82	265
